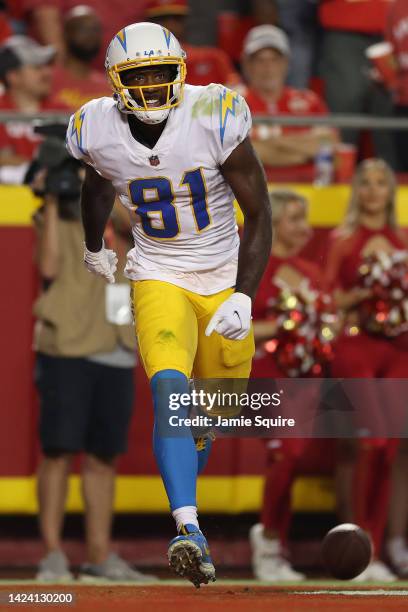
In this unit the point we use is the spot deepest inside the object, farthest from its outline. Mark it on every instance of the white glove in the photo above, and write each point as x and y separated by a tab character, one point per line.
233	318
103	262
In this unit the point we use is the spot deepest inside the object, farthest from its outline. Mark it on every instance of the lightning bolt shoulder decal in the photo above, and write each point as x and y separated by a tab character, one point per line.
76	130
228	100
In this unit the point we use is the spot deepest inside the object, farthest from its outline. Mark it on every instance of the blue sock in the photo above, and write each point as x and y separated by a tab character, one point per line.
203	453
174	450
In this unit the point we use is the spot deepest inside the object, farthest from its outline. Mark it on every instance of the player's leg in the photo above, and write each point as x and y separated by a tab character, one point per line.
218	358
210	362
166	327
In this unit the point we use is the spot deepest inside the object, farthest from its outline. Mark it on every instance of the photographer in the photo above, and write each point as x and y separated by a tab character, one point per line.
85	347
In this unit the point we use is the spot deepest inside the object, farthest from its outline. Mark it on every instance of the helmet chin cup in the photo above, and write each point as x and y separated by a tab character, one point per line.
149	117
152	117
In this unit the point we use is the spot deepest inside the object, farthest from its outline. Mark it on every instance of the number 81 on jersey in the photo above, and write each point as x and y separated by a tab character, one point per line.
152	196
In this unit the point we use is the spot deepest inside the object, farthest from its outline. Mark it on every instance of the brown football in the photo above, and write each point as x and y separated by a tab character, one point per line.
346	551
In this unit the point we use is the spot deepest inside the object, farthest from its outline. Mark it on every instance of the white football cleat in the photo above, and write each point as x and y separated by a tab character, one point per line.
397	552
376	571
268	562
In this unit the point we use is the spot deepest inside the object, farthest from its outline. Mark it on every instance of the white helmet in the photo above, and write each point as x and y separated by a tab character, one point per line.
139	45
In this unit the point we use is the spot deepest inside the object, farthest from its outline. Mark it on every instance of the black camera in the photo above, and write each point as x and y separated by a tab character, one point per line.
63	171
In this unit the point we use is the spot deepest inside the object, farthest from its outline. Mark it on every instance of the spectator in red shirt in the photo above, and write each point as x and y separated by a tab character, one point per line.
350	26
204	64
288	152
76	81
397	35
26	73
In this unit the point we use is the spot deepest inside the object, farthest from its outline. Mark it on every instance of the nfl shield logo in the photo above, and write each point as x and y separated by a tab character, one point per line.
154	160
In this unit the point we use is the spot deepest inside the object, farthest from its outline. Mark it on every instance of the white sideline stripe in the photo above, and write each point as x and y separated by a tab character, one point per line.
367	593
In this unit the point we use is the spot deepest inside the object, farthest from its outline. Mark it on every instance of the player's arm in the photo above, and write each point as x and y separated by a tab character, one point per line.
244	173
97	198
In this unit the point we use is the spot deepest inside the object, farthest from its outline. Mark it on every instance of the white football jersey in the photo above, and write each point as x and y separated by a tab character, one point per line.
184	207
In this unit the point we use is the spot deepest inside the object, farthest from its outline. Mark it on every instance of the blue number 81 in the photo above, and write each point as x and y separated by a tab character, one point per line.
154	197
161	202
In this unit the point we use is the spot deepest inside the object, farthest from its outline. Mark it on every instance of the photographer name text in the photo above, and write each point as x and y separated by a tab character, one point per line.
241	421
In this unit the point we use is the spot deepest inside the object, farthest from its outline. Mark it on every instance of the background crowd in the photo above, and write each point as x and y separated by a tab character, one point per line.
289	58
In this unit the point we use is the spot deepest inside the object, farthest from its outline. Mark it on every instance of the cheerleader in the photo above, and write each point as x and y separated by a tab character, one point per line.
290	274
367	348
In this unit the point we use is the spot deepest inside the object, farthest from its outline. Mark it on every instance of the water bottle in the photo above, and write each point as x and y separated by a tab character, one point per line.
324	166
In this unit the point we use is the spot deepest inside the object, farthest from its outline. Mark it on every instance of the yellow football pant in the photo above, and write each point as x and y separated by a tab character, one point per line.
170	328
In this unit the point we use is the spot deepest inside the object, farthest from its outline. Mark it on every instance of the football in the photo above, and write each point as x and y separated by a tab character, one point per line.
346	551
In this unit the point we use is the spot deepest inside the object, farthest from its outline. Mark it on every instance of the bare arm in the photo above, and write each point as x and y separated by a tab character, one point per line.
293	149
244	173
47	251
97	198
264	330
9	158
346	300
271	154
307	143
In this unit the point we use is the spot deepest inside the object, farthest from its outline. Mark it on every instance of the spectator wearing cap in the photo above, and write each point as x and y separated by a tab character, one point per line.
288	152
204	64
76	81
45	19
349	29
26	74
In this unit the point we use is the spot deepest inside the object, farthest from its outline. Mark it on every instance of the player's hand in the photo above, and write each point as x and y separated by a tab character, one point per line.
102	262
233	318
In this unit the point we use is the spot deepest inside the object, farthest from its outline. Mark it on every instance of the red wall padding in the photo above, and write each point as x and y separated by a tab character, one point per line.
18	403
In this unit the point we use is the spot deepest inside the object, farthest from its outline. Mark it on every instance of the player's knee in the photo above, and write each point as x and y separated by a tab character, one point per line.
168	388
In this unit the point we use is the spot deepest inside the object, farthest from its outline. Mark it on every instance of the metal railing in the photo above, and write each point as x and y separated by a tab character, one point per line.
357	122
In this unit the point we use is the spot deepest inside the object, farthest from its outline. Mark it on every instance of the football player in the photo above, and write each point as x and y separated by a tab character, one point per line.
176	155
